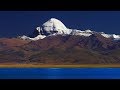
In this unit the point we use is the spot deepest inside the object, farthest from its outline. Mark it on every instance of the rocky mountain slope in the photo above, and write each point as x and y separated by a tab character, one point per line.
54	43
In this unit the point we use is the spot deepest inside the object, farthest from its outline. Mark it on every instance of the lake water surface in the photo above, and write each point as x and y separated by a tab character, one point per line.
59	73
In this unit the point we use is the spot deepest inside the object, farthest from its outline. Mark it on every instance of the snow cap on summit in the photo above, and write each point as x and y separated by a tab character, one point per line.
54	24
55	27
88	30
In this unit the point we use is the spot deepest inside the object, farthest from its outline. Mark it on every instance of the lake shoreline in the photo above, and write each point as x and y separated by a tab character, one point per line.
8	65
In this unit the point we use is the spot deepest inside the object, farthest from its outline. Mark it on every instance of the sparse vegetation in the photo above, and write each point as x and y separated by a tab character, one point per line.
61	50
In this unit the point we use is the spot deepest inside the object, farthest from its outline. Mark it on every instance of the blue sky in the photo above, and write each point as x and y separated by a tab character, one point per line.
13	23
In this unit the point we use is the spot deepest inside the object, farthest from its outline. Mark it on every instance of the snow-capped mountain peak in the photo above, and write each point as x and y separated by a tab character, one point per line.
88	30
55	27
54	24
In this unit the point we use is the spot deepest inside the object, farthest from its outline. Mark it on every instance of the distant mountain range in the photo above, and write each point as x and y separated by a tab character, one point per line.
54	43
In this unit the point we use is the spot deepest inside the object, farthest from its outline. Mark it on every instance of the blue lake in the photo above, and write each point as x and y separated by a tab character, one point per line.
59	73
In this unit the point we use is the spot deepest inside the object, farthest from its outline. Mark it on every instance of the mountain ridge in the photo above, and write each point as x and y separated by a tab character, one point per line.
57	44
55	27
